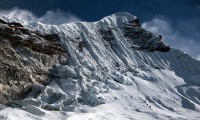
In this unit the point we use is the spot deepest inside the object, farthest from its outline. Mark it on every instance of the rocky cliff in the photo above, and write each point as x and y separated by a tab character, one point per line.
27	59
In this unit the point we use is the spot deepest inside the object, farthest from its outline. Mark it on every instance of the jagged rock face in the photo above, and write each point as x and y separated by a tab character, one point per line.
142	39
137	37
26	59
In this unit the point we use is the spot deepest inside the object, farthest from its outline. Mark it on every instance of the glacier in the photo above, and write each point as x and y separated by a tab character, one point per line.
115	70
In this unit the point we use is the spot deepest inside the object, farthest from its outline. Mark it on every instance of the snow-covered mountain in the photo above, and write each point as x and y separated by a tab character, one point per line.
104	70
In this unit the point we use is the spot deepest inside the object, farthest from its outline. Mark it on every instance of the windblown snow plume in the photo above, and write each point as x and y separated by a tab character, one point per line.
104	70
50	17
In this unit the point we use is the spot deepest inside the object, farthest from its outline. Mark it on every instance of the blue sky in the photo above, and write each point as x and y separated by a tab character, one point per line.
176	20
95	9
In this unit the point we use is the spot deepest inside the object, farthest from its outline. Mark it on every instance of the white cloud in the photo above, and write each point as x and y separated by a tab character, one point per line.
173	37
198	58
58	17
50	17
198	6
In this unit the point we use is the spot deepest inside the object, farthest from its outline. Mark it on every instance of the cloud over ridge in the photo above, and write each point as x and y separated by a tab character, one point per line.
173	37
55	17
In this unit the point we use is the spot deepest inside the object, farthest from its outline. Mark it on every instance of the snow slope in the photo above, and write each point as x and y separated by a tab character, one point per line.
111	76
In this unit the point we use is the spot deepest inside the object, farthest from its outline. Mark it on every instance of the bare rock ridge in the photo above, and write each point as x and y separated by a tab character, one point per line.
142	39
26	59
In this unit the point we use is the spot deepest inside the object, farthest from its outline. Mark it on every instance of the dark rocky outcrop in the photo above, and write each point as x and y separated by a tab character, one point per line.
135	22
107	36
3	21
142	39
81	45
15	24
26	59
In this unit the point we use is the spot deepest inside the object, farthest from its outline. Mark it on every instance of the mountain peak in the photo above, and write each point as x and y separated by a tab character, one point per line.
124	14
93	66
119	18
129	27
